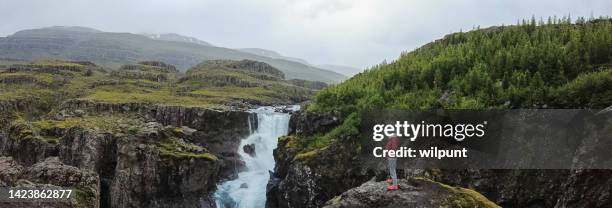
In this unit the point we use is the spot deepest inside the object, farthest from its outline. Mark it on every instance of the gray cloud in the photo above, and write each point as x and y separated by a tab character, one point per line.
350	32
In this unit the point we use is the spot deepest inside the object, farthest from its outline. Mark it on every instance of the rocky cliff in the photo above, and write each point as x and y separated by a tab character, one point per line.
140	155
308	177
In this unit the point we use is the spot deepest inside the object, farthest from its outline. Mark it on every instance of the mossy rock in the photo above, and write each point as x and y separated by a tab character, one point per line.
178	148
458	196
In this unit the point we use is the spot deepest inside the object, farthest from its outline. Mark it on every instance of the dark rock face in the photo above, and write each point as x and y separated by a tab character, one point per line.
141	173
591	188
24	147
587	188
85	148
412	193
85	184
10	171
306	123
249	149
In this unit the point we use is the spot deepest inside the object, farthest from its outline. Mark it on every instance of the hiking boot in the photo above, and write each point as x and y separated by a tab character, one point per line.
389	180
392	187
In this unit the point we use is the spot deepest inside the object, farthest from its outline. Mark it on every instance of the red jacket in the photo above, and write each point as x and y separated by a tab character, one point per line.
392	144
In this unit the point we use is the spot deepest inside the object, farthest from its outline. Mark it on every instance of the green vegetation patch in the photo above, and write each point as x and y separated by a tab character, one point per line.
24	130
103	122
236	93
163	97
177	148
461	197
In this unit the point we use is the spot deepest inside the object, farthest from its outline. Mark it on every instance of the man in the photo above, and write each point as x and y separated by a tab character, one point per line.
392	144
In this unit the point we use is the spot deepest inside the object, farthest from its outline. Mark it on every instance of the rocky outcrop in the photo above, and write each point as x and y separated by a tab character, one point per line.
307	124
27	105
10	171
25	147
249	149
218	131
50	174
146	178
591	188
87	149
413	192
310	179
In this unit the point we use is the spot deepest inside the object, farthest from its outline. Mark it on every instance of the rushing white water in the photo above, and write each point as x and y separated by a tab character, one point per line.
249	189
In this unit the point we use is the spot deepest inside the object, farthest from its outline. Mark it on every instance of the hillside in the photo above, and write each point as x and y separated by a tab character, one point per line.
552	65
546	65
344	70
115	49
212	84
271	54
176	38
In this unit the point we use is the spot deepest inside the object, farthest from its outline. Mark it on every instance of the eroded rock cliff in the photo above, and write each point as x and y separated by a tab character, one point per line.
307	176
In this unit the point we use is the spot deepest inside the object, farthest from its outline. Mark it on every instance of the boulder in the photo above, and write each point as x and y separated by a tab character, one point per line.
249	149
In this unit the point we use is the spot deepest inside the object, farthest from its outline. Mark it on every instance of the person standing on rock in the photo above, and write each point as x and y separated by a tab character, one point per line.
392	144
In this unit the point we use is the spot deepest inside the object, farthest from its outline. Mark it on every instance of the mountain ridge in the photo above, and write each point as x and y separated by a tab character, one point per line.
112	49
175	37
344	70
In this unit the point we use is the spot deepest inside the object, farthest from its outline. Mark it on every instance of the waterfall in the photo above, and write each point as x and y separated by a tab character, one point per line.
249	189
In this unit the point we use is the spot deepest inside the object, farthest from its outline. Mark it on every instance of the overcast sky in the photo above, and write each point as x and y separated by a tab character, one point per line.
356	33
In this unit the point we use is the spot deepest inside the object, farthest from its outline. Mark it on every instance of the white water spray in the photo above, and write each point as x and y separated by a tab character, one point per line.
249	189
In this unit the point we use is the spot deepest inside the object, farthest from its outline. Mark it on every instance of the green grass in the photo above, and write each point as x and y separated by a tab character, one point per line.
237	93
10	93
103	122
162	97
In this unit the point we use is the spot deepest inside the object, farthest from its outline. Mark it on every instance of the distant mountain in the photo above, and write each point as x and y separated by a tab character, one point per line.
346	70
115	49
176	38
272	54
75	29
